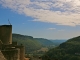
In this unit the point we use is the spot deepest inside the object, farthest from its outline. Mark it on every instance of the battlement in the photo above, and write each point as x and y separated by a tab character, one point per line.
5	25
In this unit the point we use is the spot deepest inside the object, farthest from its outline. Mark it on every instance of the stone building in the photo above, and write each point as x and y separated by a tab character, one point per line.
9	50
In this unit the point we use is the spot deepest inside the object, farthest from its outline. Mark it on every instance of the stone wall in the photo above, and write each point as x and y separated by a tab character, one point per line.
11	54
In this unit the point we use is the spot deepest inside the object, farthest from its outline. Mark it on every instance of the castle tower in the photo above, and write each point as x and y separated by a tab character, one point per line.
6	34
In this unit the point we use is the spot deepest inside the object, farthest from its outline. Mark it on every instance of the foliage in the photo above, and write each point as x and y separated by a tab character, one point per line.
69	50
30	44
44	42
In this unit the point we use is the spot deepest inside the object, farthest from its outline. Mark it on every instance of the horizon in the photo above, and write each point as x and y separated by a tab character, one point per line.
41	37
42	18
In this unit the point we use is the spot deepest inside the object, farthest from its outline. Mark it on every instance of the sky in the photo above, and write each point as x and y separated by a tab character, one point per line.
50	19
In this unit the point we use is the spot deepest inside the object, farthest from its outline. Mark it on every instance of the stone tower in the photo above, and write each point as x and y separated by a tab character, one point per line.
6	34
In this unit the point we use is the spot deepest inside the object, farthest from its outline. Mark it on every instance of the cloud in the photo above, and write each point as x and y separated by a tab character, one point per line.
61	12
51	28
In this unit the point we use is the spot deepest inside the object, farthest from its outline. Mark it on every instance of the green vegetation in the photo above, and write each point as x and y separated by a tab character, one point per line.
44	42
32	45
69	50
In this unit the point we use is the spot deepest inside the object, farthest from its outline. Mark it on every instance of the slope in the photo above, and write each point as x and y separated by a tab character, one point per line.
44	42
28	41
69	50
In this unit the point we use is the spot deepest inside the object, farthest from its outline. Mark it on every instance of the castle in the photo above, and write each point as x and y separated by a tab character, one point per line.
9	50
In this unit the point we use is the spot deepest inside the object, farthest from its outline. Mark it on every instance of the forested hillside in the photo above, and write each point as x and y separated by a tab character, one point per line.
31	44
44	42
69	50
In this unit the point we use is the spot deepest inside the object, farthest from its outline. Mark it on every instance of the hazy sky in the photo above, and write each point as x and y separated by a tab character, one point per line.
51	19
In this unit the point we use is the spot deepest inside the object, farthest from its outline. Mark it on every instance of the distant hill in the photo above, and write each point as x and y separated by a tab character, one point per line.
28	41
31	44
58	42
69	50
44	42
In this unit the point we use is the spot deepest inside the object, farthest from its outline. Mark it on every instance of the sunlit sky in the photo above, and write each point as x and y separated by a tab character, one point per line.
51	19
